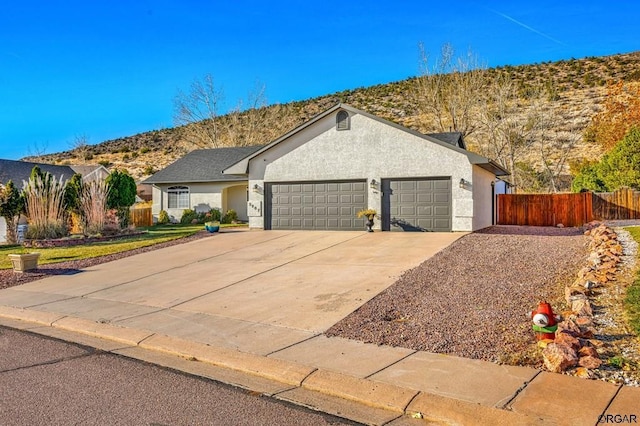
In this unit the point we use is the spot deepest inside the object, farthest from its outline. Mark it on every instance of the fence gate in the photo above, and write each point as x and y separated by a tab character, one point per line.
141	216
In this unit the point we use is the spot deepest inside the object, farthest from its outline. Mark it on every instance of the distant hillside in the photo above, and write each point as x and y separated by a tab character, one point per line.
577	86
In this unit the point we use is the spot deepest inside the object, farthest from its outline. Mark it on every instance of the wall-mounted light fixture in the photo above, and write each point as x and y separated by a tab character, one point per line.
464	183
257	188
373	184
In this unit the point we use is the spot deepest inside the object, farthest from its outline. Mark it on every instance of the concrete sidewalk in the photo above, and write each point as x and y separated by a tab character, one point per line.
251	308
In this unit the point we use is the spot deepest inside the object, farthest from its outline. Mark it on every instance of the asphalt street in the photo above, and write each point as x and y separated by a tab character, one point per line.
45	381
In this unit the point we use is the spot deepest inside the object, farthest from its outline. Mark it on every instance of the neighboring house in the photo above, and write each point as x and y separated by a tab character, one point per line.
319	175
196	182
20	171
144	192
91	173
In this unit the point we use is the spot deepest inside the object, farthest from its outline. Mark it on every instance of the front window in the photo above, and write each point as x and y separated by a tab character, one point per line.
178	197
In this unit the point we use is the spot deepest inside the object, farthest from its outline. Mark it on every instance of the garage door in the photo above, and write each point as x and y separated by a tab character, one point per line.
315	205
416	204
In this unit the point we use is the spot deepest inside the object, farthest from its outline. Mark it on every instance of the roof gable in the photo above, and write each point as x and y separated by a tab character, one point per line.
202	165
450	140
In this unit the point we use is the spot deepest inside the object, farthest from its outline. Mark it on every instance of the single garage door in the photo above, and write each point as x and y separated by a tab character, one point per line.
315	205
421	204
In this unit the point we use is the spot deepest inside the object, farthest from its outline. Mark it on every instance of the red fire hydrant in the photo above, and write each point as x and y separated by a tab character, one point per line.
545	322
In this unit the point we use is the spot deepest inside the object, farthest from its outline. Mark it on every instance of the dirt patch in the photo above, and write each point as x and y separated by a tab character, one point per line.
472	299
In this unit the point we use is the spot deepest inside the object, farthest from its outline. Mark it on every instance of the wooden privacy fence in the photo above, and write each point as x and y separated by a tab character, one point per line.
621	204
567	209
544	209
141	216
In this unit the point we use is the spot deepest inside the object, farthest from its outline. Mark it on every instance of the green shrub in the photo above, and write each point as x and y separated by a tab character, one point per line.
229	217
144	150
163	217
188	216
213	215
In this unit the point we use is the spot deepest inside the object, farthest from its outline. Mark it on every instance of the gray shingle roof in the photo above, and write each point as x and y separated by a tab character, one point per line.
452	138
19	171
203	165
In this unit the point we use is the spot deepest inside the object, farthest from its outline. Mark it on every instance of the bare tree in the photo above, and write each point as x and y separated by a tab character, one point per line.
507	131
554	150
254	122
37	150
198	112
80	145
247	122
514	125
449	92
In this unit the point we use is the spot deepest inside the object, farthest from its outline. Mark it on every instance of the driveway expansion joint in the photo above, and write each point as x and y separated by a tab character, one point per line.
507	405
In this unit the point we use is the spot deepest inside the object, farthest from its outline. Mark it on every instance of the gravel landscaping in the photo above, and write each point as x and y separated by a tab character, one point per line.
473	298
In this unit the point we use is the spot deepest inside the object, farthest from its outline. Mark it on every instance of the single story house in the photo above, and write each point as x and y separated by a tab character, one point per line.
20	171
319	175
196	182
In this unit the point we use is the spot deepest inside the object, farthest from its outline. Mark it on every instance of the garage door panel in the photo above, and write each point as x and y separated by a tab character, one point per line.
441	198
421	204
316	205
425	185
407	198
441	211
443	185
408	210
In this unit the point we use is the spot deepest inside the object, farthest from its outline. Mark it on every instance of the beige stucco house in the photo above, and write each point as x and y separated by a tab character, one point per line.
319	175
196	182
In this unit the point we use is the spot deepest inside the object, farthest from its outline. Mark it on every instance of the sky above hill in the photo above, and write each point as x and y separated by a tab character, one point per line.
103	70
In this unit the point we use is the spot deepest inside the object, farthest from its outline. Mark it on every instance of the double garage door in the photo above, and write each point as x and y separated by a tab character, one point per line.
422	204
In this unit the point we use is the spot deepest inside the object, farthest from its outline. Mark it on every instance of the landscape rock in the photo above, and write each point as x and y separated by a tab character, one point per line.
567	339
582	308
584	322
589	362
584	373
558	358
569	326
588	351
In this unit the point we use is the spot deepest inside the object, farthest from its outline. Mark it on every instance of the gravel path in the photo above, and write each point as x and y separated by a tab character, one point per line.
473	298
8	278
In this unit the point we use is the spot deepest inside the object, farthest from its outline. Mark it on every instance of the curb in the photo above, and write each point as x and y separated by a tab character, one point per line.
362	400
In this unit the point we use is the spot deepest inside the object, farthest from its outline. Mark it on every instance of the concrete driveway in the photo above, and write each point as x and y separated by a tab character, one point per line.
256	291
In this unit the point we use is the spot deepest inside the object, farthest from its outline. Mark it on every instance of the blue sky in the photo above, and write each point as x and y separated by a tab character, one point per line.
112	69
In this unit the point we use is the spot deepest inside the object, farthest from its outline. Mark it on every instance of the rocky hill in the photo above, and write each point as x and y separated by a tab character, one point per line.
576	89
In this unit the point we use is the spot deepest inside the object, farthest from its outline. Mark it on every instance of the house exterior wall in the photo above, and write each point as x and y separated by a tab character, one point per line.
369	150
482	198
3	230
236	199
202	198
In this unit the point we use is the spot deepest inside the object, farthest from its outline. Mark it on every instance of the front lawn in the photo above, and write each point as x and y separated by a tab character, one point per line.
154	235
